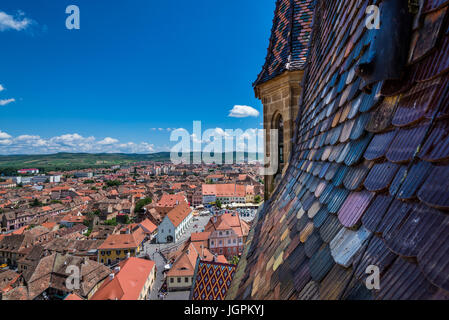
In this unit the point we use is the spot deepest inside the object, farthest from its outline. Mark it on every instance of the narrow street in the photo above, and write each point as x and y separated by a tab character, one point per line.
153	252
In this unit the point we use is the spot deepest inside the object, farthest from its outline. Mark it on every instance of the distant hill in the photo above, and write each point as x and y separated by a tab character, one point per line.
77	161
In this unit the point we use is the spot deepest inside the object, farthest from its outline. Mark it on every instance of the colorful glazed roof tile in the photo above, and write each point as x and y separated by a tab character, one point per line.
368	180
289	38
212	280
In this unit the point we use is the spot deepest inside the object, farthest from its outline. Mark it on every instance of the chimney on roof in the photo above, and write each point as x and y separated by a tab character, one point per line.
117	269
111	276
128	255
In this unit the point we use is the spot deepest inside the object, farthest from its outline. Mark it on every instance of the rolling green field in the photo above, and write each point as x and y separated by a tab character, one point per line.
74	161
77	161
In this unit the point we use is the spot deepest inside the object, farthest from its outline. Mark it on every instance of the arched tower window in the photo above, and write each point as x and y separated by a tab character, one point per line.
279	125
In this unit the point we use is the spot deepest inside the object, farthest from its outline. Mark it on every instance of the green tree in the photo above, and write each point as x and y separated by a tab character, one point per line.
113	183
235	260
36	203
218	204
142	203
112	222
257	199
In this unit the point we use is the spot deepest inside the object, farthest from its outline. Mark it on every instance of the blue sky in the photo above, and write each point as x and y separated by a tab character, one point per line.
133	71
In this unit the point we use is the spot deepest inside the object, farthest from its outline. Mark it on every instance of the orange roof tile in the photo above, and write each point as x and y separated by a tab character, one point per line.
124	241
171	200
128	283
73	297
179	213
148	225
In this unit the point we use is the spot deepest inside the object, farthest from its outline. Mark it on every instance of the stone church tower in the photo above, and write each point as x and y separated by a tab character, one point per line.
278	85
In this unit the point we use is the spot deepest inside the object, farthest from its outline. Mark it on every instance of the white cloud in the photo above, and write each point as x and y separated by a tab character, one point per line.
74	142
162	129
4	135
9	22
2	88
243	112
5	142
108	141
6	101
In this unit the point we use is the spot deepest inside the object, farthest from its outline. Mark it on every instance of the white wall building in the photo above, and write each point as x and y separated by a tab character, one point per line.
175	223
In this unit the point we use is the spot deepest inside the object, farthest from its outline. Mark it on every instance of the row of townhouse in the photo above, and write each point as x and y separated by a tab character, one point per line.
227	193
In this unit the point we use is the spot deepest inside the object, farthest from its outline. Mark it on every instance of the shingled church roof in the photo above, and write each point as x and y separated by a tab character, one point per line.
368	181
211	280
289	38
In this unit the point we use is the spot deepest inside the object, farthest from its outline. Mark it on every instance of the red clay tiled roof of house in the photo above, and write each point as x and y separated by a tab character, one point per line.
221	259
179	213
148	225
17	294
7	279
229	221
185	264
20	230
224	190
215	176
128	283
176	186
60	188
171	200
74	219
119	241
199	236
124	241
73	297
49	225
